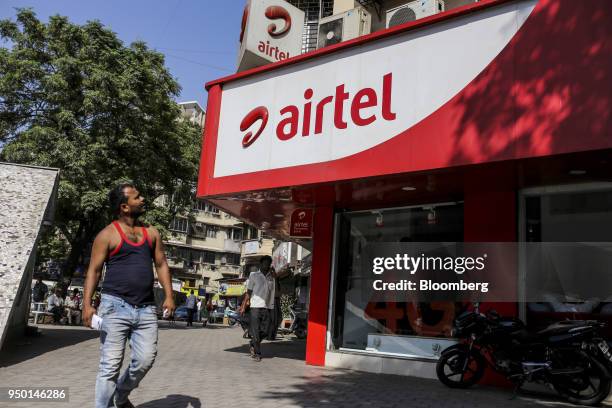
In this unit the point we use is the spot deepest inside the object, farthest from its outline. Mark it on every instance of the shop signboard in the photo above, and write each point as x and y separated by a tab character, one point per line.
301	223
387	103
271	31
251	247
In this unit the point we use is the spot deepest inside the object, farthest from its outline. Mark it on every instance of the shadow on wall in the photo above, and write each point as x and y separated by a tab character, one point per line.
547	92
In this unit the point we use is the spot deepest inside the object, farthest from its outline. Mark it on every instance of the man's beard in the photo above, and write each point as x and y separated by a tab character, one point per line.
138	212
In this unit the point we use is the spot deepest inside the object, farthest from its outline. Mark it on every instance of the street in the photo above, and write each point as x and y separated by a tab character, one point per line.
209	367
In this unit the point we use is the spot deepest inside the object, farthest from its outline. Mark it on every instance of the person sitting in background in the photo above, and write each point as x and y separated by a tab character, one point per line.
73	307
55	305
39	291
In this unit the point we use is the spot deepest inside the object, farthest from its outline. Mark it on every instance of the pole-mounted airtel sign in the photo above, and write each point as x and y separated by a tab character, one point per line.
271	31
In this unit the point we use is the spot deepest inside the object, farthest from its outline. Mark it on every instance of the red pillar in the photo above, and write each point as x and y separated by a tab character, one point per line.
319	285
490	215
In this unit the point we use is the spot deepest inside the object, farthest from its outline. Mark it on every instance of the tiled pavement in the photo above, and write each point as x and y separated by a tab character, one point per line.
209	367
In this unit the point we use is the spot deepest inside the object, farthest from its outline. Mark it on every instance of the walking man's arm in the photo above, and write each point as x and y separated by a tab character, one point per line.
163	272
99	252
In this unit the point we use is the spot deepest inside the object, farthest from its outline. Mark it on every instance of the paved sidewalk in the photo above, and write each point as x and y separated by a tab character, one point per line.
209	367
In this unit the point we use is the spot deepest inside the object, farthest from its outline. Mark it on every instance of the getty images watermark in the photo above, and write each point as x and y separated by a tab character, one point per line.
413	264
489	271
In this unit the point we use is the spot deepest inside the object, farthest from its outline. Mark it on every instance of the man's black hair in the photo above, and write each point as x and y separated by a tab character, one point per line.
117	196
268	257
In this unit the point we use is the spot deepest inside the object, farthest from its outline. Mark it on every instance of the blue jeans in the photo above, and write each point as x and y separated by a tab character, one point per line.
122	322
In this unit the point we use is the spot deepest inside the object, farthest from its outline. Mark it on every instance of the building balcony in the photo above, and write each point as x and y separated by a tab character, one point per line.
232	246
256	248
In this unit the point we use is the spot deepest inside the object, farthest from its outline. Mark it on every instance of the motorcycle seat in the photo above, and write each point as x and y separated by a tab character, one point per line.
563	327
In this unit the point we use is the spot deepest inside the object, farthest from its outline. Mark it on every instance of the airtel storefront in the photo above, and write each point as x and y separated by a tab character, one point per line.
489	122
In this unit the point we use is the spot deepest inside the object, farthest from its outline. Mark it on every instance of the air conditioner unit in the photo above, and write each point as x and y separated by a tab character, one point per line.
344	26
413	11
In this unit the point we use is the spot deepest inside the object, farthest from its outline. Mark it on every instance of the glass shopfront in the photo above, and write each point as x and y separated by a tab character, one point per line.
576	223
403	328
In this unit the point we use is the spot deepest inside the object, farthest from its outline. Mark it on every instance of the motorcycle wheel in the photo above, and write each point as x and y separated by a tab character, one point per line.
300	332
450	368
589	388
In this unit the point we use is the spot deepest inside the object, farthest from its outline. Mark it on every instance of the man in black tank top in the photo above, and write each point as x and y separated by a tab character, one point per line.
128	312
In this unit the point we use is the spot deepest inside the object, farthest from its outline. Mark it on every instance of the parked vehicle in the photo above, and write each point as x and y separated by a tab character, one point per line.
570	356
217	315
235	317
299	323
181	313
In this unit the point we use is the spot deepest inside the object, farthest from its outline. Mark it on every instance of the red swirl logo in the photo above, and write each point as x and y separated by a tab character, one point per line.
245	17
278	12
256	114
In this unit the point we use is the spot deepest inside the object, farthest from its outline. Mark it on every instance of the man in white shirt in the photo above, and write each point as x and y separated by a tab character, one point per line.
260	296
55	305
73	307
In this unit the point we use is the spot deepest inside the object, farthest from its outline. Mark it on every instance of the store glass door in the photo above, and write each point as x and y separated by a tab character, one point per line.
392	327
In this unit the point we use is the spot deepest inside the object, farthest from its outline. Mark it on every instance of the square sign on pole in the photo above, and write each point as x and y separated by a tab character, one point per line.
271	31
301	223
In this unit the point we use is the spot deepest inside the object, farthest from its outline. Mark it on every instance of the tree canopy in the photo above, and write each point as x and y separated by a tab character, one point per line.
76	98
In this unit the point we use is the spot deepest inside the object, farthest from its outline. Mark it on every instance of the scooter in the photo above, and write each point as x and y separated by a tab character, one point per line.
235	317
299	323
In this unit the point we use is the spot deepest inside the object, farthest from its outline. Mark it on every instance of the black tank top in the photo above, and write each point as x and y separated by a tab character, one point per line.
129	270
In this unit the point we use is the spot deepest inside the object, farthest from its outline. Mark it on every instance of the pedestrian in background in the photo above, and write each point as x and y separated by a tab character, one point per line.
39	291
276	313
260	298
191	308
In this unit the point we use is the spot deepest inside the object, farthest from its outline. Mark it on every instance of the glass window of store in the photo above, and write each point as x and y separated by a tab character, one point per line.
358	322
574	225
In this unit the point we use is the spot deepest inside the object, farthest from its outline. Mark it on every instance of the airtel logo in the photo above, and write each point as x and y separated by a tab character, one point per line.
274	13
259	113
365	107
302	215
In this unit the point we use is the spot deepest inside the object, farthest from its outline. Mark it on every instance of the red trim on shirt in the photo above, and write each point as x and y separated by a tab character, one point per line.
126	239
147	237
117	248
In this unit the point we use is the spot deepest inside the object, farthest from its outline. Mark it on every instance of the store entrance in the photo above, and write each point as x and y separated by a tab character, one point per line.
360	324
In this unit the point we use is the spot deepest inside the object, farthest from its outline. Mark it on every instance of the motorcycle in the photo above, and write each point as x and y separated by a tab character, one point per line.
299	323
569	356
235	317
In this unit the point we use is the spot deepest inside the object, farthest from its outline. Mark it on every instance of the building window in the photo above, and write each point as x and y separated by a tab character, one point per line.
209	257
179	225
212	209
234	233
251	233
199	205
232	259
211	231
206	281
198	229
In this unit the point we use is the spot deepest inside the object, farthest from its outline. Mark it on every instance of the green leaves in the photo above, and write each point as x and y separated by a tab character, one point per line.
75	97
